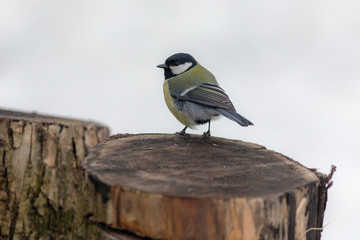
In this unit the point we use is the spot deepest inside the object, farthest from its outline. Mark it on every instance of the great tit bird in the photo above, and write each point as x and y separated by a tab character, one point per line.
193	95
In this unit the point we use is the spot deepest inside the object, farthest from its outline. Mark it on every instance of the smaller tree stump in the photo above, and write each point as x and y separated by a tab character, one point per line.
175	187
40	178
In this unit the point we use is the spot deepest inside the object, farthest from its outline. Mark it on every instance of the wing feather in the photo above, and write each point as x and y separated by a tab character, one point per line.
206	94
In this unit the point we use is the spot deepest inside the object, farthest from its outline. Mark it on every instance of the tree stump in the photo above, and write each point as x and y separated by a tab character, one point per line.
40	178
176	187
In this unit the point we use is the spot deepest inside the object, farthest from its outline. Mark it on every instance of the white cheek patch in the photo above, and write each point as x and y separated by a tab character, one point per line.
180	68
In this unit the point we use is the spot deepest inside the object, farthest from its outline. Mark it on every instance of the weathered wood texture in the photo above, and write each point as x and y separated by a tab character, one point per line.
175	187
40	178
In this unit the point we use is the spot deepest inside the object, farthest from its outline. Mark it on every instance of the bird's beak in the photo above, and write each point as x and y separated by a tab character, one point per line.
162	66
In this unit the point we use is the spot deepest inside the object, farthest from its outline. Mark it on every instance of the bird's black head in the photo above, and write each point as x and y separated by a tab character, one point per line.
177	64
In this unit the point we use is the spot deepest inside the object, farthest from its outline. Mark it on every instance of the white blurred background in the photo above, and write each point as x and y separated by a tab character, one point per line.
291	67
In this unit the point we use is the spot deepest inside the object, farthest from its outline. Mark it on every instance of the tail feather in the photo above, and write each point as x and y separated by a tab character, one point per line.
234	116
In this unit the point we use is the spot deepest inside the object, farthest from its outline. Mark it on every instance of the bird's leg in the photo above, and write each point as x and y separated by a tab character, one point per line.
182	132
207	134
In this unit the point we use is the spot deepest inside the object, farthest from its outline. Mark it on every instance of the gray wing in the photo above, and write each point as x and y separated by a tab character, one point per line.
206	94
213	96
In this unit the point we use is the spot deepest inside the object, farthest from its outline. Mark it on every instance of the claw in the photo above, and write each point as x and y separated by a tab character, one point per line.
182	132
206	134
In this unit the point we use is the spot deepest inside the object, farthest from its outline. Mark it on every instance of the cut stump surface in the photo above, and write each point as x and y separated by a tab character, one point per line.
175	187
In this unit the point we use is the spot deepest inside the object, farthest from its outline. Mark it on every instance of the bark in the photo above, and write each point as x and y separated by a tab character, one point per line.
175	187
42	192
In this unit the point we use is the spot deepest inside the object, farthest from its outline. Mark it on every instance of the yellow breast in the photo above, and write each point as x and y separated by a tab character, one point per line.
180	116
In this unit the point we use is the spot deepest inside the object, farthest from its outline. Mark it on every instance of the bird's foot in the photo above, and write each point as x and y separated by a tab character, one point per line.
183	133
206	134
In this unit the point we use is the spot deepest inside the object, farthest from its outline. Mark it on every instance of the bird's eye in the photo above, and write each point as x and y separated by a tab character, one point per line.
176	64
